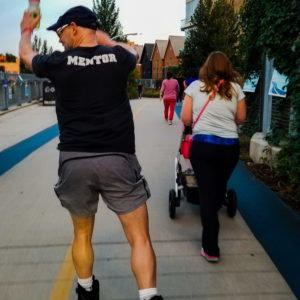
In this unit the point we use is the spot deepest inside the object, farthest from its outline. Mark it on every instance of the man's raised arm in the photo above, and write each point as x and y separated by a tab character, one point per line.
25	48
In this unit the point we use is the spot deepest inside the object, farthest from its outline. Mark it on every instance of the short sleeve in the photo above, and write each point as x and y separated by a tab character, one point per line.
43	65
239	92
40	65
191	88
126	59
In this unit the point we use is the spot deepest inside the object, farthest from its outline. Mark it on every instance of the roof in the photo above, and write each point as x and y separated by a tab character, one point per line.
147	50
161	46
139	50
177	43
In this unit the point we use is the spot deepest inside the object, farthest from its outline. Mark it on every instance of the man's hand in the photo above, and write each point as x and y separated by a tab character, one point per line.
29	22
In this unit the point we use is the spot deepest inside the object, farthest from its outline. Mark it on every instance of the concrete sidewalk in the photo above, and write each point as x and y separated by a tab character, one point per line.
36	233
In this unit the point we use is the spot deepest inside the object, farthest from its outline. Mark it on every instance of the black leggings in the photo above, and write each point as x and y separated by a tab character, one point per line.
213	165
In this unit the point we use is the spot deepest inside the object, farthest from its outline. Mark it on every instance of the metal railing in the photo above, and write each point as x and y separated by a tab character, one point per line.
16	89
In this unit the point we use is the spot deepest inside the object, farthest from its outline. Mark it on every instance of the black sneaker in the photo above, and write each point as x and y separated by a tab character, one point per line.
83	294
157	298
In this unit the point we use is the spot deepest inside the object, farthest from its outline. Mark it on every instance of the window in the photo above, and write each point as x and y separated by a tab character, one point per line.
190	8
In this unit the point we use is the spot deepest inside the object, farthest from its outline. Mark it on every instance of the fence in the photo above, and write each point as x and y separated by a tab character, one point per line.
152	83
16	89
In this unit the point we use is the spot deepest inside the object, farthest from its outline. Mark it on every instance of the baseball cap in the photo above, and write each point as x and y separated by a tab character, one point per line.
80	15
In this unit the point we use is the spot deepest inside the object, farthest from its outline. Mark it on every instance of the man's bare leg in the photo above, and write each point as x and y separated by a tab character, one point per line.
82	250
143	262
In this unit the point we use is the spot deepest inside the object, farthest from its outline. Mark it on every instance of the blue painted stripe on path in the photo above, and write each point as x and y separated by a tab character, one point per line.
13	155
272	222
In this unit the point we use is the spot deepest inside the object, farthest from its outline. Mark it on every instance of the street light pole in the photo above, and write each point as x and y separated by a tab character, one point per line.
126	34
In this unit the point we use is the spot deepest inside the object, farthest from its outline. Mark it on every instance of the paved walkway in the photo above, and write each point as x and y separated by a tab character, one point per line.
35	232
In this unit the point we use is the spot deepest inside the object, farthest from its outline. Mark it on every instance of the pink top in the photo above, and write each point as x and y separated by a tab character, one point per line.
170	88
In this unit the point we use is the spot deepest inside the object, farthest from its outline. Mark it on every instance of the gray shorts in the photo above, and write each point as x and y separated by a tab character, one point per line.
116	176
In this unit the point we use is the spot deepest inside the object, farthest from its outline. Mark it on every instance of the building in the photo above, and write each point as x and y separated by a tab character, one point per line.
139	50
157	58
146	61
10	67
190	8
174	46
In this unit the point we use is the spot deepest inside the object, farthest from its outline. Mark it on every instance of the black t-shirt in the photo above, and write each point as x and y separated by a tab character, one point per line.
92	106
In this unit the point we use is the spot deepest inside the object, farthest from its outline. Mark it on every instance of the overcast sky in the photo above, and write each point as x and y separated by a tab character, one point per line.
152	19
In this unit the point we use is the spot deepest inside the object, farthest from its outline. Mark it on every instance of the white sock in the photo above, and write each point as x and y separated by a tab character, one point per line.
86	283
147	294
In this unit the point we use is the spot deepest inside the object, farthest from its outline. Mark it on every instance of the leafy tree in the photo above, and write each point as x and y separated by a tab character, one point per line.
10	57
215	27
281	40
40	46
108	17
252	56
132	84
36	44
272	28
251	50
44	49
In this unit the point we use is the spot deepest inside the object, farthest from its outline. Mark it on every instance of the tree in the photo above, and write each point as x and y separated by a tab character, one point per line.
132	84
40	46
44	49
36	44
272	28
251	49
10	57
215	27
108	17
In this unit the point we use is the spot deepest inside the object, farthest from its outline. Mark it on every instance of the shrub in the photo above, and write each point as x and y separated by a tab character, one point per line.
150	93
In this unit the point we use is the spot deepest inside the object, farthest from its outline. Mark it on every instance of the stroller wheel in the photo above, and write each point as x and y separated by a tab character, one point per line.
231	203
172	204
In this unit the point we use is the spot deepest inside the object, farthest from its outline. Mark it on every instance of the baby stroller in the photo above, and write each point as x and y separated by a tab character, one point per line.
186	185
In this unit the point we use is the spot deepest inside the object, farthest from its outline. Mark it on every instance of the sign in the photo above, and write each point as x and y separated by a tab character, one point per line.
250	84
278	86
48	92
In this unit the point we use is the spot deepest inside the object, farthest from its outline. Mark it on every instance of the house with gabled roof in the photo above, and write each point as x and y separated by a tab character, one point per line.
174	46
139	50
157	58
146	62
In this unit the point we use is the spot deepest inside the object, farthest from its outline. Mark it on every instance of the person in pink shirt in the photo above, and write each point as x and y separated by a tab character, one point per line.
169	91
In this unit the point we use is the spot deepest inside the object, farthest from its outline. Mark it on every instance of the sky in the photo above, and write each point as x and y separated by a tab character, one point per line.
151	19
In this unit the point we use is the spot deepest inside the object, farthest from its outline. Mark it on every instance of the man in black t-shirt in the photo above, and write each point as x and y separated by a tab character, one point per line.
96	141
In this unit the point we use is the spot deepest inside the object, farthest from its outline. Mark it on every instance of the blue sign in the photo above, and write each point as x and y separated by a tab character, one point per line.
278	86
5	82
250	84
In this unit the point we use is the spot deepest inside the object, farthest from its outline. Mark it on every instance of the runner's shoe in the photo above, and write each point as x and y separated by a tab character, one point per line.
157	298
83	294
209	258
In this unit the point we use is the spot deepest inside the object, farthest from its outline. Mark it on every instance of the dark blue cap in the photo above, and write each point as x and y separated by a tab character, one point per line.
80	15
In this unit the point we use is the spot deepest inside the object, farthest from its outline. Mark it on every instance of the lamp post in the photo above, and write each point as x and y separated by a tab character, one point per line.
126	34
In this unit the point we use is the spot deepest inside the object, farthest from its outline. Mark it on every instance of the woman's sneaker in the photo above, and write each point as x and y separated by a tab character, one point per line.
83	294
170	122
209	258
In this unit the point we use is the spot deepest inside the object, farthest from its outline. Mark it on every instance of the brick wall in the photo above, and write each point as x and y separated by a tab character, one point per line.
170	58
157	64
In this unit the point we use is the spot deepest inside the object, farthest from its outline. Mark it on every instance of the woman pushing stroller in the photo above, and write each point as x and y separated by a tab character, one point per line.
214	151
